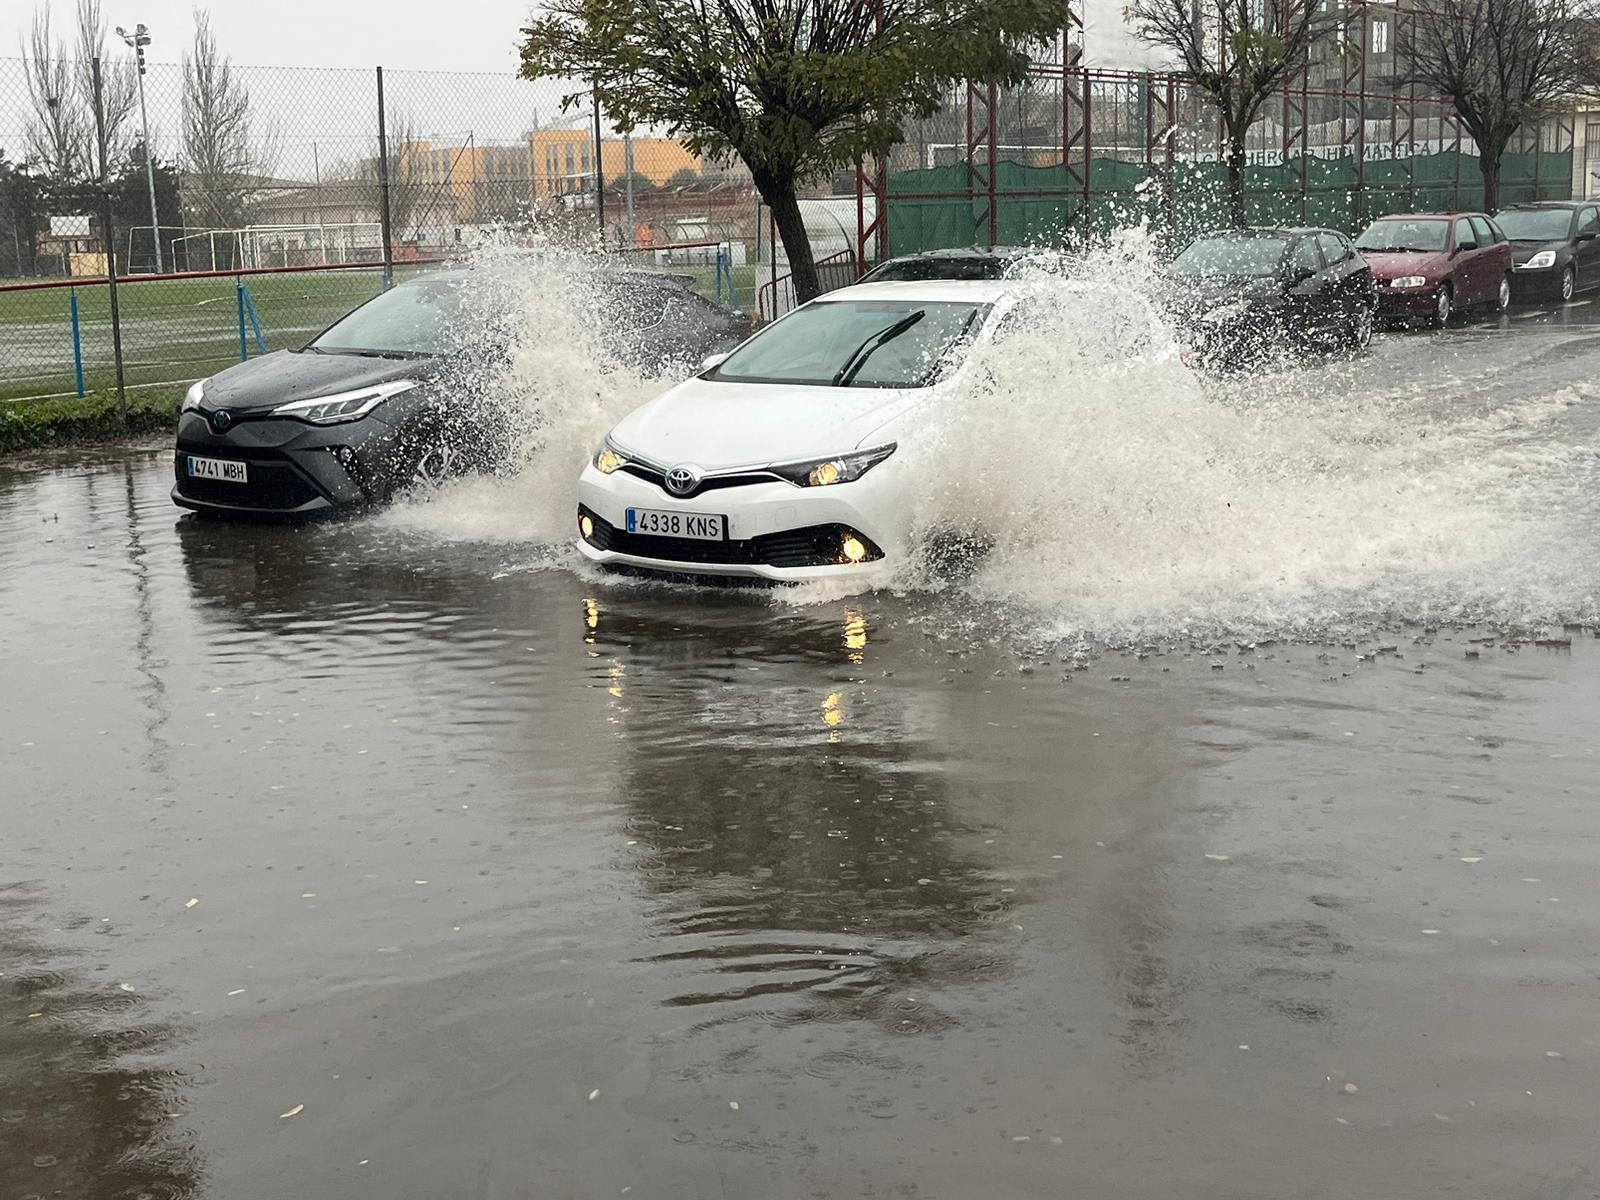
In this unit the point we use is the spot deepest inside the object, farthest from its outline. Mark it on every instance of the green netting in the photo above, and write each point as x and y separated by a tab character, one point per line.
1041	205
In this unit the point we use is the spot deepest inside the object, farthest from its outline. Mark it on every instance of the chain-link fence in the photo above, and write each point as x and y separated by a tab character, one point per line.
1075	151
284	196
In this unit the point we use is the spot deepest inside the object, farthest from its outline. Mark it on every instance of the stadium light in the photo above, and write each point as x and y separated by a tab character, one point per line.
137	41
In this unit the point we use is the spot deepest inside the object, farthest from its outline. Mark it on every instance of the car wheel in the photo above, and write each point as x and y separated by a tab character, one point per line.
1359	334
1443	306
434	467
1502	298
1569	283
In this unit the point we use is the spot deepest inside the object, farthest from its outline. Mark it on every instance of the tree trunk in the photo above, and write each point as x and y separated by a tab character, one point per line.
1489	168
779	193
1236	208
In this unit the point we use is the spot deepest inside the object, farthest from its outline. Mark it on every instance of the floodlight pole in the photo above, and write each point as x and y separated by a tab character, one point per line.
138	40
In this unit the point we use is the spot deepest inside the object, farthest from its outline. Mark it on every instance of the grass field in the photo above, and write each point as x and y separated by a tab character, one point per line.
176	331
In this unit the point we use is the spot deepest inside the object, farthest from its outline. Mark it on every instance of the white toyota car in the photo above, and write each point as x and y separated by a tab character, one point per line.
785	459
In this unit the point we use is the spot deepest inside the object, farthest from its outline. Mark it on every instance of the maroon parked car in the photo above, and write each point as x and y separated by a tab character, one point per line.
1427	265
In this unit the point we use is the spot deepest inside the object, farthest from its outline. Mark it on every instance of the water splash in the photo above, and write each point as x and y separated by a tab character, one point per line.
1127	496
560	387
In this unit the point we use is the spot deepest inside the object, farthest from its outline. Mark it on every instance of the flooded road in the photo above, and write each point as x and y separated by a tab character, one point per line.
363	861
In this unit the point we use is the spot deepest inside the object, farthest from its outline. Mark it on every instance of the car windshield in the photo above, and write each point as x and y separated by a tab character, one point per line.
1395	237
417	318
1535	224
856	343
1230	254
921	269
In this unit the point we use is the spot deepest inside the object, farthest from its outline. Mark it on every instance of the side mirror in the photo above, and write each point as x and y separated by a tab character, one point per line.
711	361
1463	247
1587	235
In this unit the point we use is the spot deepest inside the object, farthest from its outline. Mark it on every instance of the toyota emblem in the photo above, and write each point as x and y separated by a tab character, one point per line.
683	479
221	420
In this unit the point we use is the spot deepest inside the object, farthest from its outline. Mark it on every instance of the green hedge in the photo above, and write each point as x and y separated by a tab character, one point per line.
28	424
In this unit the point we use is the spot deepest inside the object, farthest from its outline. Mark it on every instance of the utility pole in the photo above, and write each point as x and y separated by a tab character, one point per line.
138	40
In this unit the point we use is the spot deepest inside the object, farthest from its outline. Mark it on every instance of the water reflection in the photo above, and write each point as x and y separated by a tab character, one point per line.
796	828
83	1110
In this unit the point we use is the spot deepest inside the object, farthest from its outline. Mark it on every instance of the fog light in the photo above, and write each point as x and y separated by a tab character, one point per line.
345	455
853	549
586	527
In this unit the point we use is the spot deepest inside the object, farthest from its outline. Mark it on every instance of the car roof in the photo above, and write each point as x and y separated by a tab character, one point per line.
969	291
982	252
1567	204
1282	231
1431	216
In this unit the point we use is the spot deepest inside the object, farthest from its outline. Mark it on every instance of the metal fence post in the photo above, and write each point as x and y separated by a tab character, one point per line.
599	173
77	344
108	235
238	294
383	193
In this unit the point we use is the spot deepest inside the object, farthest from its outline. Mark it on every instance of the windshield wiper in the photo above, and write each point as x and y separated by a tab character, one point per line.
858	358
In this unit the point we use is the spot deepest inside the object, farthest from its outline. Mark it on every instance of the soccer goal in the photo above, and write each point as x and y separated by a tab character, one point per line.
261	247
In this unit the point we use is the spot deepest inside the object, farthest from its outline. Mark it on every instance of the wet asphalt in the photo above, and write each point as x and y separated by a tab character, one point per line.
340	862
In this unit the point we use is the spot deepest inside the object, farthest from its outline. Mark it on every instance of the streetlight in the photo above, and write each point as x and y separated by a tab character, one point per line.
137	41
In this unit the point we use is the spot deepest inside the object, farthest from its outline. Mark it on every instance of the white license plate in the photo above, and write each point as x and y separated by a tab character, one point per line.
226	469
703	527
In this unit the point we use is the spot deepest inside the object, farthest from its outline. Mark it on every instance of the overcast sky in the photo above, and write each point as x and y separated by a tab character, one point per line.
475	35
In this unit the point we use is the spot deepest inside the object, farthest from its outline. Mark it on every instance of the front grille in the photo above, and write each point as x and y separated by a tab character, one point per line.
273	484
812	546
708	484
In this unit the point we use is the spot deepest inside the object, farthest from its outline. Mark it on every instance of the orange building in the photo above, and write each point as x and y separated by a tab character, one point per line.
563	160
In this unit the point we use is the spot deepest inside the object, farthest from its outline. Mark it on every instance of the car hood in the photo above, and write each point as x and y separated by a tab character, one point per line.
1429	264
718	424
277	378
1521	252
1211	298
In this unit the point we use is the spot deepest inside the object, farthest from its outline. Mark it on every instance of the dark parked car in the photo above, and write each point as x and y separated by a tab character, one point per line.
1245	294
1555	247
401	390
1427	265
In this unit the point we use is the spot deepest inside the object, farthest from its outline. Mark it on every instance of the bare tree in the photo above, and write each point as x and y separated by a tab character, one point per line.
413	197
119	81
61	134
1238	53
224	153
58	137
1503	64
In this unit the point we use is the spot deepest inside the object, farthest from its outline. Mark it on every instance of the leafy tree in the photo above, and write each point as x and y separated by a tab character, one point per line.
686	179
1237	53
1503	64
130	204
795	88
642	183
21	212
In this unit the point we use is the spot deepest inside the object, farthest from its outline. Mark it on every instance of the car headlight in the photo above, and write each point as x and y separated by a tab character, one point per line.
192	398
1545	258
845	468
1410	281
343	406
607	460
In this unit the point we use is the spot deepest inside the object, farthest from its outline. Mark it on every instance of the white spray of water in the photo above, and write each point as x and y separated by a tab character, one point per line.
563	388
1127	496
